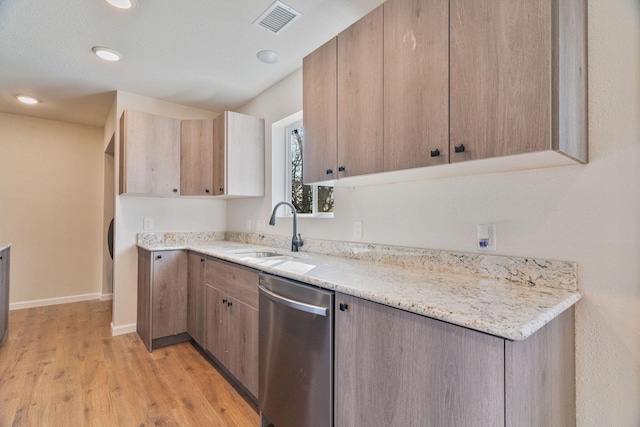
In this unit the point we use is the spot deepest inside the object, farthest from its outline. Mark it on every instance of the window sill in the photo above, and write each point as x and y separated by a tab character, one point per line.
315	215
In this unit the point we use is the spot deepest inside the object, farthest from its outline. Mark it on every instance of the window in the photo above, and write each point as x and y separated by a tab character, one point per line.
308	199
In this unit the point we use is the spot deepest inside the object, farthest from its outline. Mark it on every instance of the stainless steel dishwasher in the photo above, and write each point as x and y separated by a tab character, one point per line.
296	354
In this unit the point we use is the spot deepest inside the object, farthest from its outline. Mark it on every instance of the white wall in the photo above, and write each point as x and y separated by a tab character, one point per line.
51	208
587	214
169	214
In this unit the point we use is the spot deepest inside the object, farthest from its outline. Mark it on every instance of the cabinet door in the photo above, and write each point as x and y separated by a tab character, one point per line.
4	294
239	282
245	155
394	368
143	323
243	344
320	106
217	324
219	154
360	115
149	154
196	298
500	77
416	83
196	157
169	293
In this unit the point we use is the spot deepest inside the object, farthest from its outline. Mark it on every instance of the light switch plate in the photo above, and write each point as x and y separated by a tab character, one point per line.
147	223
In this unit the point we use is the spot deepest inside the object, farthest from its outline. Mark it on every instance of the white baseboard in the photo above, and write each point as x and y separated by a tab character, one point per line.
123	329
52	301
106	297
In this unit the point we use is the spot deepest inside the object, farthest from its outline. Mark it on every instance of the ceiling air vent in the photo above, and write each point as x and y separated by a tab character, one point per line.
277	17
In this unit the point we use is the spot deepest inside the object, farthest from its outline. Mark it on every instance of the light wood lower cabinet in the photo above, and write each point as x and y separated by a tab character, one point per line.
196	319
232	320
394	368
162	297
5	256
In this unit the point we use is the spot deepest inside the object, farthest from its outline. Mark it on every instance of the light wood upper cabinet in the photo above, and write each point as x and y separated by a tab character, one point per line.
238	155
319	103
149	154
360	96
461	80
518	78
416	83
196	157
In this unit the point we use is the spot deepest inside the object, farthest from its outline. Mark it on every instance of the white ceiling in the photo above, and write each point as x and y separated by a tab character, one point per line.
200	53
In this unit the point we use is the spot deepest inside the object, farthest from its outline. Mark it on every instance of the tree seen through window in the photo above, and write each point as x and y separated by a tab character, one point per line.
302	196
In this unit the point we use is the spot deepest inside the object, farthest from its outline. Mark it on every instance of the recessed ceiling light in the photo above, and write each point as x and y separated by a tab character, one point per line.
268	56
106	53
27	99
122	4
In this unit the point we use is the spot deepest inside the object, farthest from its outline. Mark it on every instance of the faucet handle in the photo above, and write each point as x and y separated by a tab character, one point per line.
299	241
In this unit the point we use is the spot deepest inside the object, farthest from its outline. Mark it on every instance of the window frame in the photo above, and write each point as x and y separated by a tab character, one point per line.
288	178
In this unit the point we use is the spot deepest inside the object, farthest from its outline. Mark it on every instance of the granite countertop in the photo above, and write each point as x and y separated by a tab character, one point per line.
4	246
496	306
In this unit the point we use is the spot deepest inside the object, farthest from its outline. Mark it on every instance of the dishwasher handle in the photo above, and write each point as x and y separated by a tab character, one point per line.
297	305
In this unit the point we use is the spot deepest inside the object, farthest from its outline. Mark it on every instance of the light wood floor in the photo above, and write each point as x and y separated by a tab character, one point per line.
61	367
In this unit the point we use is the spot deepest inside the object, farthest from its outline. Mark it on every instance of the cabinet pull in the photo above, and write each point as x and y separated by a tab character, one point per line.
221	189
459	148
341	169
329	171
175	190
201	259
206	190
435	153
343	306
224	300
0	258
229	303
159	257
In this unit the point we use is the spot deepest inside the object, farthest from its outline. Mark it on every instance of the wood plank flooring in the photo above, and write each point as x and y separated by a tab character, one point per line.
62	367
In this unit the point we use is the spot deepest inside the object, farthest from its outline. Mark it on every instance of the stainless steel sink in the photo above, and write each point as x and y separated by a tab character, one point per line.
258	254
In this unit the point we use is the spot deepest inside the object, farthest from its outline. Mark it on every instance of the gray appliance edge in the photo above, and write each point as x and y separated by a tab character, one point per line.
295	354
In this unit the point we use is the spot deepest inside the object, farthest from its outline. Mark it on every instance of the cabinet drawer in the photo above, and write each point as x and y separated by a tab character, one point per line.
237	282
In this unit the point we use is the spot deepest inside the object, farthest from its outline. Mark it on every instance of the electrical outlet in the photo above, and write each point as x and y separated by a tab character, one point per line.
357	230
487	237
147	223
260	226
247	224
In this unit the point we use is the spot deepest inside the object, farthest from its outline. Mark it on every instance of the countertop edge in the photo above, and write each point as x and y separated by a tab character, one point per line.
519	333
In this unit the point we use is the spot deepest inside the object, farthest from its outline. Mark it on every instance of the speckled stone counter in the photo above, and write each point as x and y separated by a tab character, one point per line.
4	246
503	296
